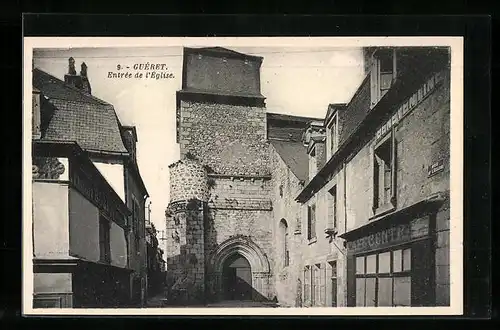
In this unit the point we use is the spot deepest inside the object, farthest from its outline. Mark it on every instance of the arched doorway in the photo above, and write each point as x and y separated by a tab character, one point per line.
237	278
241	252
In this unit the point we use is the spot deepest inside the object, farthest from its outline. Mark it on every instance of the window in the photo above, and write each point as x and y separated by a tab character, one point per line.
104	240
318	287
332	139
312	163
332	274
384	174
281	190
311	222
322	284
284	237
307	285
383	72
315	285
332	208
384	279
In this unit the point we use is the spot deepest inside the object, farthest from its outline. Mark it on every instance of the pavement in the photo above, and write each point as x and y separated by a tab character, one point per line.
242	303
160	301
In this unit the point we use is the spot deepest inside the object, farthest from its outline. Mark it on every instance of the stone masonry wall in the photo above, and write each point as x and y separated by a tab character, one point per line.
230	139
188	179
285	186
240	206
185	230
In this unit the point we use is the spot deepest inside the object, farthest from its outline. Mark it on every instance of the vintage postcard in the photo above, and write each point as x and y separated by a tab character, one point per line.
266	176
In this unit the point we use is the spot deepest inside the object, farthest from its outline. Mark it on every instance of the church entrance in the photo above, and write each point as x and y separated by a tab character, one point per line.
237	278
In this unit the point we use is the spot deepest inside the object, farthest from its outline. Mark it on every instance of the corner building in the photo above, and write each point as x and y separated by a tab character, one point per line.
387	173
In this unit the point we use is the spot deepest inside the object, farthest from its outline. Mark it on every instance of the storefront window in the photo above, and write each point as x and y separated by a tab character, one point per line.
397	260
402	291
360	265
385	291
384	260
407	260
370	292
371	264
360	292
386	281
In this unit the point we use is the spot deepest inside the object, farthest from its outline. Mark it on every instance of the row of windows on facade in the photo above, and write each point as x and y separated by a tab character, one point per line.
320	285
384	185
382	280
104	234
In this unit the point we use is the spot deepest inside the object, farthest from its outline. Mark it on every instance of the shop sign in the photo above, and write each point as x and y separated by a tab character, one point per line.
411	103
416	229
387	237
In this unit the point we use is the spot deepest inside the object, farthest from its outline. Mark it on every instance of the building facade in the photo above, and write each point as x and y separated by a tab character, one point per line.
87	193
347	210
387	176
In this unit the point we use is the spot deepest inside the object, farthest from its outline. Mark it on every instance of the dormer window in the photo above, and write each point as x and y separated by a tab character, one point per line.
383	73
313	164
332	135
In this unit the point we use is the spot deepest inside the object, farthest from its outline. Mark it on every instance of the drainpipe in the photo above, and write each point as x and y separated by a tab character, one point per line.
345	197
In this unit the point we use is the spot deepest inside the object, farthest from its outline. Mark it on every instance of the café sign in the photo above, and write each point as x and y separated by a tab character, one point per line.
411	103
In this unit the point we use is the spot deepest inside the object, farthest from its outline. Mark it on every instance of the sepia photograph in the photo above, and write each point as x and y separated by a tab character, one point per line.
318	176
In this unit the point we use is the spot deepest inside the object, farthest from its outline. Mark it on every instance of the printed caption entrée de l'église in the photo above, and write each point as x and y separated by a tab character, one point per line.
145	70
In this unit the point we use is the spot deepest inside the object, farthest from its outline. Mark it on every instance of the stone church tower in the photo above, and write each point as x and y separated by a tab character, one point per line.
219	221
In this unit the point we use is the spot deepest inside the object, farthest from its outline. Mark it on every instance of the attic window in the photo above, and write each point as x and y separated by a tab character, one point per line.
224	60
246	61
199	56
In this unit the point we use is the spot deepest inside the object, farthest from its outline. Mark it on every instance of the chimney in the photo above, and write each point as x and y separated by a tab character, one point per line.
36	120
129	135
85	79
79	81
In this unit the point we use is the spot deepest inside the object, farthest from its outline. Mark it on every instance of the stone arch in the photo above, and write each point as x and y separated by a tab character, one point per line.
244	246
259	264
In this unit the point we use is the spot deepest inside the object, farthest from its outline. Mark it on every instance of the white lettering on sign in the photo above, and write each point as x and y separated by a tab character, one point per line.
380	239
410	104
435	168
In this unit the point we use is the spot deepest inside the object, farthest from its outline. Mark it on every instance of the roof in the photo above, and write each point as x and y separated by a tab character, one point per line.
298	119
294	156
287	127
79	117
222	51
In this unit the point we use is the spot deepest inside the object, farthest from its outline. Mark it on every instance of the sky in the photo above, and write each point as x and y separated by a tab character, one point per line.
295	81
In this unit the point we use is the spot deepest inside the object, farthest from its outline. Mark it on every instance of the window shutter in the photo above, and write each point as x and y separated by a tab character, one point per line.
393	166
308	222
375	172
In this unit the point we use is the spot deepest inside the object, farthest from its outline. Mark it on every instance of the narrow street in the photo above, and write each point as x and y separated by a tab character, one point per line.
161	302
242	303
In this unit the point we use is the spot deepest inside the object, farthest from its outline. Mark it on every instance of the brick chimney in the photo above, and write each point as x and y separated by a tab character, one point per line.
80	81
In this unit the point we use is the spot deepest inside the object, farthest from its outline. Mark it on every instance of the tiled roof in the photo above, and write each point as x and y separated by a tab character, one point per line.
295	157
286	127
79	117
285	133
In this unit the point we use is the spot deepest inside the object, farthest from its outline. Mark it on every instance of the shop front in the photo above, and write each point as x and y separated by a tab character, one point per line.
391	260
